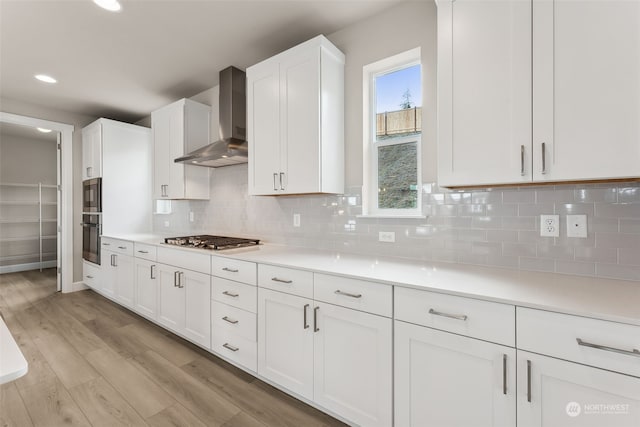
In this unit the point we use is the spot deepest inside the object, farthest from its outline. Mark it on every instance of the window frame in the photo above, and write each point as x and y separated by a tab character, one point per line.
370	143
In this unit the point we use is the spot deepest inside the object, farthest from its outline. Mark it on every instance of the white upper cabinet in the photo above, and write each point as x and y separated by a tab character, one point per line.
180	128
565	109
92	151
295	124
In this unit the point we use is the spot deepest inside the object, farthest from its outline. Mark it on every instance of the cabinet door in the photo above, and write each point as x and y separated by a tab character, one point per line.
484	92
92	151
107	284
300	121
197	293
171	299
263	114
553	392
353	364
168	143
124	279
146	288
586	89
285	341
444	379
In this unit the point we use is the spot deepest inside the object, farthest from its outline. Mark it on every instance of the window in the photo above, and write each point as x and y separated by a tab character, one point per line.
392	136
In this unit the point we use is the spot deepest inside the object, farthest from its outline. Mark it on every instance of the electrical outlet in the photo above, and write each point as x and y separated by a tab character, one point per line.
296	220
387	236
550	225
577	226
166	223
192	217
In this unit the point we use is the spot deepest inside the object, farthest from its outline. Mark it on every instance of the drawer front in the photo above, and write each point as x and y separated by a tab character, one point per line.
604	344
91	275
141	250
235	348
289	280
485	320
372	297
234	293
240	271
232	320
190	260
123	247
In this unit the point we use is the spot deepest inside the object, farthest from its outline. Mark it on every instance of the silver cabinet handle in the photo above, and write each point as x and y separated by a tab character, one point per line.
281	185
88	174
152	272
114	260
164	190
275	175
522	160
89	277
230	270
528	380
122	247
504	374
106	244
451	316
304	320
632	352
315	319
230	294
232	321
544	158
230	347
275	279
143	252
180	275
175	279
347	294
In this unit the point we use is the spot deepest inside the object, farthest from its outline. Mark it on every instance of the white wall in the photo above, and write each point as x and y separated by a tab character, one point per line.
27	160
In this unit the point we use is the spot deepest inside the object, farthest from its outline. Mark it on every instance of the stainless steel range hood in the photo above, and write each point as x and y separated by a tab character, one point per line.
231	148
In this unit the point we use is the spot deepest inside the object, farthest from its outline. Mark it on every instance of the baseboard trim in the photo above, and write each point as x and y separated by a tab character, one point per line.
78	286
26	267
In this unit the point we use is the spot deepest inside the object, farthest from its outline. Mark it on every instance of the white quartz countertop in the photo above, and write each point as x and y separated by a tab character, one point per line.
607	299
12	363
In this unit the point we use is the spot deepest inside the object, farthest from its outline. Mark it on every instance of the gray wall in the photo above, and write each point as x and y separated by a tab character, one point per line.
27	160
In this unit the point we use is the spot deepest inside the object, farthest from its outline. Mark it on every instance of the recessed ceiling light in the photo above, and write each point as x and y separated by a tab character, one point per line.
110	5
43	130
45	78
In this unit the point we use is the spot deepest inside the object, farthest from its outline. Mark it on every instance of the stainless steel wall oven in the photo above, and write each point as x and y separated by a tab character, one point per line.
92	195
91	230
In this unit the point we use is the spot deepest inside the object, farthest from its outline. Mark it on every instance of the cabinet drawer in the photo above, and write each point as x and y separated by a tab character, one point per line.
485	320
190	260
240	350
233	320
608	345
140	250
240	271
361	295
289	280
91	275
234	293
123	247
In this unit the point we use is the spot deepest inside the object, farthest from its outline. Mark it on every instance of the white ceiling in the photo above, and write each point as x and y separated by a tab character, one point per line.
125	65
26	132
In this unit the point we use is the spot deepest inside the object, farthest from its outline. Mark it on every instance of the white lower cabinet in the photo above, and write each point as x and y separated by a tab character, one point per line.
444	379
146	288
118	277
183	303
92	275
554	392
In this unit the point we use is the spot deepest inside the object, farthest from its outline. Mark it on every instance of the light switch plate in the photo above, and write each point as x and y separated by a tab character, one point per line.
577	226
387	236
550	225
296	220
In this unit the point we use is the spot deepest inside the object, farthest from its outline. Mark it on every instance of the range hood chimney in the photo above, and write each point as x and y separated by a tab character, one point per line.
231	148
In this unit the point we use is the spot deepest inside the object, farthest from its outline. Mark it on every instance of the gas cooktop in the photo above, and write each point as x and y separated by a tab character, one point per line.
216	243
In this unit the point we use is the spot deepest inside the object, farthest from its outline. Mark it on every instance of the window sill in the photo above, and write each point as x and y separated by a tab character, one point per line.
392	216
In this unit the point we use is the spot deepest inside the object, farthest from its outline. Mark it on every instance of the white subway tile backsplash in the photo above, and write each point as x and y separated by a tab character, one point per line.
496	227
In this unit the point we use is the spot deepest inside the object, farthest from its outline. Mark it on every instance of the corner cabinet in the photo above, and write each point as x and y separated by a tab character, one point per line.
180	128
563	110
295	111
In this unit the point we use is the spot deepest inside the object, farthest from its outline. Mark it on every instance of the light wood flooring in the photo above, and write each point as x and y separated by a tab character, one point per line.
92	362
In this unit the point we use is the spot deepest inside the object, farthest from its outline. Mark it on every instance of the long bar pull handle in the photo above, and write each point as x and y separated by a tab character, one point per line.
230	347
281	176
230	270
522	160
153	272
544	158
180	276
89	277
504	374
275	176
175	279
115	260
111	260
122	247
451	316
106	244
143	252
315	319
528	380
230	294
304	322
275	279
232	321
347	294
632	352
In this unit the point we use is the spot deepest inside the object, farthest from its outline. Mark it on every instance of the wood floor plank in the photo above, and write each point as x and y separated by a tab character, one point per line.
66	362
13	413
39	369
50	404
175	416
75	305
144	395
103	405
243	420
117	340
155	338
208	405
